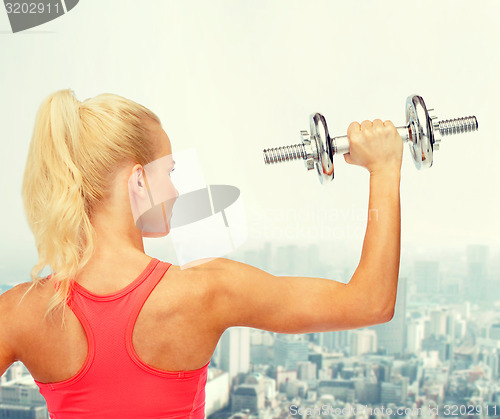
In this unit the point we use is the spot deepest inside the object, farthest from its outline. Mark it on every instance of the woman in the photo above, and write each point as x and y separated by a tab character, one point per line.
140	333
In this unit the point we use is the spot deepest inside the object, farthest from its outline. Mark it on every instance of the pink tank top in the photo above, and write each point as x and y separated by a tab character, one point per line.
113	382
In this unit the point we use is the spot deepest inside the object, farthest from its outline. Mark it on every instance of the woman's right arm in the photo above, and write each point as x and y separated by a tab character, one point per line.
242	295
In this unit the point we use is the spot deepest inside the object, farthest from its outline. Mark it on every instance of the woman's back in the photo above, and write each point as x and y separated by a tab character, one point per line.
172	333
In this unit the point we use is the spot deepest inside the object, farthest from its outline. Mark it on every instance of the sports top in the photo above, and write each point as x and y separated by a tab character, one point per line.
113	382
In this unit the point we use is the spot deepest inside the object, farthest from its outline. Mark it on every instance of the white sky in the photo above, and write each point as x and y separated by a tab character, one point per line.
231	78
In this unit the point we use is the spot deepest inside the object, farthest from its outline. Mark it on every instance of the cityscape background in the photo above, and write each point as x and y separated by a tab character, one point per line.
231	78
442	347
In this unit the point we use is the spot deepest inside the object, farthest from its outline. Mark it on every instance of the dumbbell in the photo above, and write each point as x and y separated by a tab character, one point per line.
422	131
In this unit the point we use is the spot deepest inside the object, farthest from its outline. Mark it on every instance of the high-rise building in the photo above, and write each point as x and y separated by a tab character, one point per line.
234	354
282	376
494	363
451	322
427	279
216	391
494	331
437	324
363	341
248	396
394	391
20	398
267	384
476	284
334	341
16	371
339	388
290	349
307	371
442	344
261	347
23	412
460	328
391	336
415	335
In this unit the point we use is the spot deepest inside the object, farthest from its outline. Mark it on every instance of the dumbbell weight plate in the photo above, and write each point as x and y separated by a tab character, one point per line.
321	139
420	130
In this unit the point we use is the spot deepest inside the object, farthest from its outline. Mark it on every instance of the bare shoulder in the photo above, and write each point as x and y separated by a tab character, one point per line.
201	278
213	274
206	280
12	297
11	316
218	266
202	270
17	294
22	301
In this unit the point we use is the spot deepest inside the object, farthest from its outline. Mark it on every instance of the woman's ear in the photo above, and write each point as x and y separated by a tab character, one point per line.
138	193
137	183
139	178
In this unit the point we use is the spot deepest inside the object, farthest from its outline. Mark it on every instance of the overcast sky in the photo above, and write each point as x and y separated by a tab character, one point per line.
231	78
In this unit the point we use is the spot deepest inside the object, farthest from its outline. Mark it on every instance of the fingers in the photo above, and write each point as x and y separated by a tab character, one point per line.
371	143
353	127
366	124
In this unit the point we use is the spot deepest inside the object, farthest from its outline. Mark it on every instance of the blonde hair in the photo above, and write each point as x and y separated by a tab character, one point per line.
75	150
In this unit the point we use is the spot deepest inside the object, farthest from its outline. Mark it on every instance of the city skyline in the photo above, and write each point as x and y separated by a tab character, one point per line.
439	333
346	256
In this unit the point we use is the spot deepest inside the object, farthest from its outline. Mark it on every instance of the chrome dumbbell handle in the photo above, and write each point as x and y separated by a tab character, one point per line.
340	144
423	133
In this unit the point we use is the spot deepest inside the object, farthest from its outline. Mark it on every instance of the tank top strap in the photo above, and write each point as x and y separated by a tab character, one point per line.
137	301
141	294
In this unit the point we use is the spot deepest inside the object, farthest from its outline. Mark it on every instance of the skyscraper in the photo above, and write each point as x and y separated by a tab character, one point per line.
427	277
363	341
438	322
235	351
476	281
391	336
290	349
416	330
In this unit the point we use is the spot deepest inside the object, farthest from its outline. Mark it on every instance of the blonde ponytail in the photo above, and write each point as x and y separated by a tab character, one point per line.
74	152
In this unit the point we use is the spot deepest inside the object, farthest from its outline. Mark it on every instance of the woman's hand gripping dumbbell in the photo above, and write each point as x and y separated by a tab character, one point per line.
376	145
422	131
